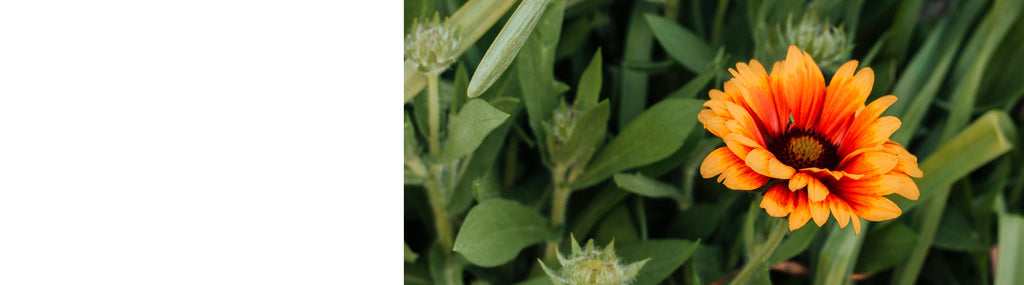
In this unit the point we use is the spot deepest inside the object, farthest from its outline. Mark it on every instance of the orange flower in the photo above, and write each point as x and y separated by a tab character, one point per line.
826	150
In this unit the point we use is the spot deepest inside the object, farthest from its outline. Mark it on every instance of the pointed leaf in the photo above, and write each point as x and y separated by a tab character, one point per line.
535	68
469	128
496	230
506	46
644	186
587	135
589	89
885	247
665	255
681	44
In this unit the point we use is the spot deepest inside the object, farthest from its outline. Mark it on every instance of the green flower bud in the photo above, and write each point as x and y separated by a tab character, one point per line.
593	266
431	45
825	43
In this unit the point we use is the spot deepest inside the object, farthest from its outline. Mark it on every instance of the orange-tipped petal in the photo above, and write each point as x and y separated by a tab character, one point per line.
871	163
819	211
764	162
801	211
731	170
778	201
816	191
840	210
799	181
873	208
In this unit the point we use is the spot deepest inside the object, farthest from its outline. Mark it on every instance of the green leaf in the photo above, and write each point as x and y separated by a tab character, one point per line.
619	226
606	199
589	89
957	234
445	270
885	247
411	147
506	46
483	158
486	187
838	255
469	128
633	89
460	85
666	256
644	186
496	230
417	9
535	67
681	44
793	245
695	86
653	135
410	256
539	280
1011	250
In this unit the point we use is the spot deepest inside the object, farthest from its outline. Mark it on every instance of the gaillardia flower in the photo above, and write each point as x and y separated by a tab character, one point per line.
820	148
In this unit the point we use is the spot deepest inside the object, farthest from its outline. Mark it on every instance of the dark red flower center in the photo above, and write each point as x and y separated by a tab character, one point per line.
802	149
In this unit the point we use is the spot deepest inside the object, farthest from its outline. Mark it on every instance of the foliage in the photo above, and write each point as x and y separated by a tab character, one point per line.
578	118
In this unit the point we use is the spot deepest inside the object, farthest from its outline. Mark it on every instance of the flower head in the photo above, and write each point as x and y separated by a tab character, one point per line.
822	40
593	267
432	45
819	149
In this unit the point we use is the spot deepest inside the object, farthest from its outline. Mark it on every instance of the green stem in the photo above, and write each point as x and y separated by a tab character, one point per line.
559	202
432	109
716	29
756	262
442	221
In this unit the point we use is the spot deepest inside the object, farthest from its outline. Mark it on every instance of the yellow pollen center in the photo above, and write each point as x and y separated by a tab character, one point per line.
805	148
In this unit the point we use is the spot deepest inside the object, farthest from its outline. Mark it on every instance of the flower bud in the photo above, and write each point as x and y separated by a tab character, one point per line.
432	45
825	43
593	266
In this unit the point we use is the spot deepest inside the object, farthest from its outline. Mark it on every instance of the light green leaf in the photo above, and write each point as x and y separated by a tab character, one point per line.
666	256
496	230
506	46
681	44
1011	250
589	89
469	128
483	158
644	186
886	247
486	187
653	135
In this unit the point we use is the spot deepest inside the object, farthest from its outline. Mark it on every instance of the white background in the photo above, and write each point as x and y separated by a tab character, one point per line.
200	142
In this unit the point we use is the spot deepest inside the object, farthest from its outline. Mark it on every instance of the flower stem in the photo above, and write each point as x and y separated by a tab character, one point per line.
432	109
559	202
757	261
442	221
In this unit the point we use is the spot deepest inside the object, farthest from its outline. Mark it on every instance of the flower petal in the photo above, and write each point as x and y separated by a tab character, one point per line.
907	162
764	162
846	93
777	201
840	210
732	170
801	211
816	191
870	163
819	211
873	208
798	82
799	181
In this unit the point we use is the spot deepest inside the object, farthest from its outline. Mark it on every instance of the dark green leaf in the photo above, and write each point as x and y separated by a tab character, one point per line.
886	247
695	86
587	135
793	245
496	230
445	270
653	135
956	233
589	89
666	256
469	128
482	159
681	44
838	255
410	256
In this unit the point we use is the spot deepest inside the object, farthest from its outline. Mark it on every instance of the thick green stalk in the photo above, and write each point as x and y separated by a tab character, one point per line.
442	221
559	202
757	261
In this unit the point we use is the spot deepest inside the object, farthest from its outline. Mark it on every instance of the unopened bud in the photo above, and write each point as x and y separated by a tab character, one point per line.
593	266
432	45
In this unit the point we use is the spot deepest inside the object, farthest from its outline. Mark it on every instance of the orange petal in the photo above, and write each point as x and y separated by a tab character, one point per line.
732	170
845	94
800	84
876	186
907	162
740	145
816	191
799	180
873	208
819	211
871	135
764	162
871	163
909	189
840	210
801	211
777	201
856	224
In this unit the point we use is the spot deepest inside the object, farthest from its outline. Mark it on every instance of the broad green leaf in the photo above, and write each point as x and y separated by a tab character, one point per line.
681	44
984	140
445	270
617	226
486	187
589	89
496	230
645	186
794	244
1011	250
460	85
535	67
483	157
885	247
653	135
410	256
838	255
957	234
666	256
587	135
506	46
469	128
606	199
473	19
